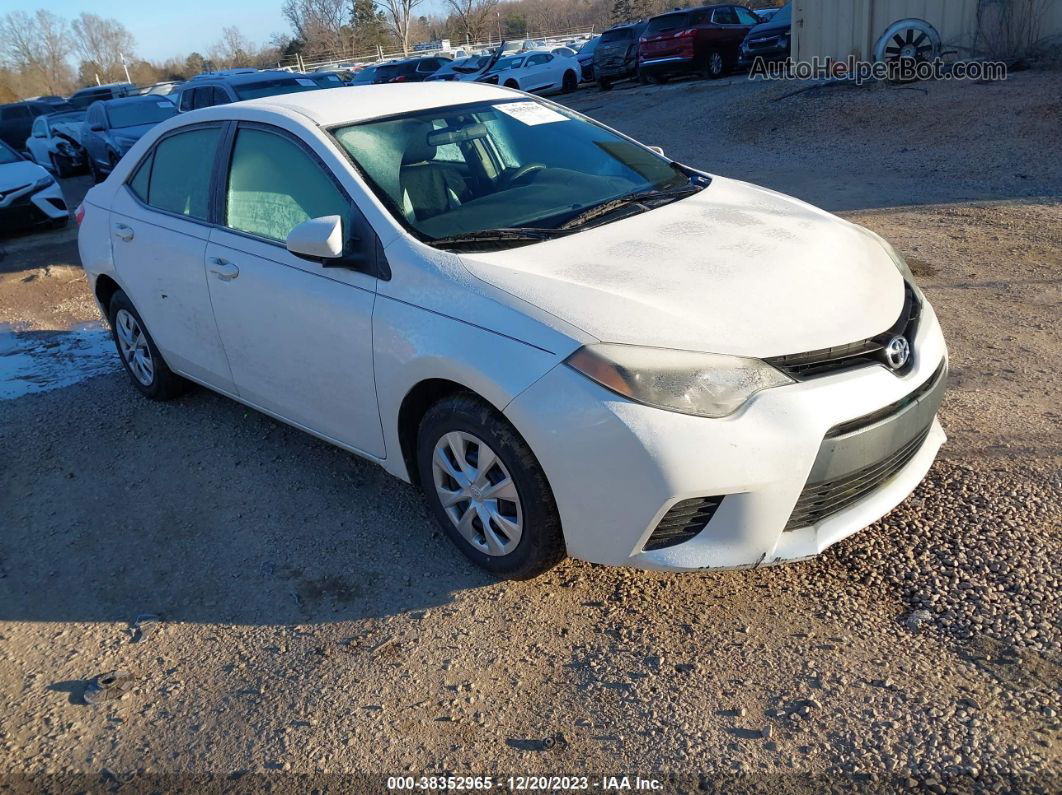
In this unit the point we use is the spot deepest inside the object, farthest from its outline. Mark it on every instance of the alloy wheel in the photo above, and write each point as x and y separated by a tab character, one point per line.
477	493
133	345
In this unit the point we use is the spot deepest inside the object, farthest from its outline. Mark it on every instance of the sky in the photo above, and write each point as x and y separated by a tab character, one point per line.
165	29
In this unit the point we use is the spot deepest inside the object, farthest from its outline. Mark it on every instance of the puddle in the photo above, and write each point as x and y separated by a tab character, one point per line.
36	361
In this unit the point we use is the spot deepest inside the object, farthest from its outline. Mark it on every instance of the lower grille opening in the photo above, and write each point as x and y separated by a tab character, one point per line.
682	522
819	501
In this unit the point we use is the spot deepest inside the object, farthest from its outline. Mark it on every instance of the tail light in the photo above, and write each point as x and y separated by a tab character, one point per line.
79	213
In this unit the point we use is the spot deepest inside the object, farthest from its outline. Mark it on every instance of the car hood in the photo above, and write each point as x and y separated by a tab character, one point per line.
135	133
734	269
769	27
16	175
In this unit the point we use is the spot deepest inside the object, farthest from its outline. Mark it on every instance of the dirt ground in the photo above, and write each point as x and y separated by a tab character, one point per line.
315	622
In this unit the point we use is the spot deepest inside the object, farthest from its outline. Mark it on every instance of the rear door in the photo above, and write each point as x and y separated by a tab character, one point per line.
297	334
159	232
728	32
538	73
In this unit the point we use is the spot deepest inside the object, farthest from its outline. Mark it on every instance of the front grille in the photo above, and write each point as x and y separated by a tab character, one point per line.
827	361
685	520
888	411
819	501
759	43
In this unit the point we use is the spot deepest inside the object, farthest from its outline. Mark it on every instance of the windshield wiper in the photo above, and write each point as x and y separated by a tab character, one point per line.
515	235
645	197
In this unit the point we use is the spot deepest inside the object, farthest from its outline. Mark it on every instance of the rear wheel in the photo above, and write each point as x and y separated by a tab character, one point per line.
512	84
140	357
714	65
487	489
570	82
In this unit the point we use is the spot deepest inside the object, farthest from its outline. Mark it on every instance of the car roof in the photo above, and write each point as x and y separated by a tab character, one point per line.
134	100
351	104
104	87
242	78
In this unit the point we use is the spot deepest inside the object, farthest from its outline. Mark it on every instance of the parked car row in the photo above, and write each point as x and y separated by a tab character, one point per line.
707	41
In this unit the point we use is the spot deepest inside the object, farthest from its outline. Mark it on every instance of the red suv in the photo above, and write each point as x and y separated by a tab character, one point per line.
704	40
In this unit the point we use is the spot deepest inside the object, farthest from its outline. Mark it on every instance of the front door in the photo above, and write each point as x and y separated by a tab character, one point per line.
159	235
298	335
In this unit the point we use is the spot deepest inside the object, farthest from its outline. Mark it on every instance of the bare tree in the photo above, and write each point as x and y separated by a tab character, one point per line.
319	24
102	43
400	16
37	47
474	17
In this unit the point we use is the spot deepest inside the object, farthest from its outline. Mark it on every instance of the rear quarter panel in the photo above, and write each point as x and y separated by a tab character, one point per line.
94	242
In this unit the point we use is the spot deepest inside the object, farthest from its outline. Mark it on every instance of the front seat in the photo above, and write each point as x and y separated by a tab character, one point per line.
428	188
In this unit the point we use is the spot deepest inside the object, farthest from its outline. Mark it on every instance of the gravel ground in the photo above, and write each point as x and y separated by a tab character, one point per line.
314	622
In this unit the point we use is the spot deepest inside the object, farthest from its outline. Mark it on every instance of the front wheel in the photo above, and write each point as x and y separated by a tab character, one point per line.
487	489
570	83
140	356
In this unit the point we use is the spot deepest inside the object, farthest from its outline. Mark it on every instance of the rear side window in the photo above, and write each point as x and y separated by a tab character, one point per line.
187	98
142	178
180	168
724	16
274	185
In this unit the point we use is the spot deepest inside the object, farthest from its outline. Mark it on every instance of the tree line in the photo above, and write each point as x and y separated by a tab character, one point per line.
44	54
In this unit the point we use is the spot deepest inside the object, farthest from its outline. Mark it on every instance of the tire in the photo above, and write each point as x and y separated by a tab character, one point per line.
569	83
473	423
94	170
163	383
60	165
604	84
658	79
512	84
714	65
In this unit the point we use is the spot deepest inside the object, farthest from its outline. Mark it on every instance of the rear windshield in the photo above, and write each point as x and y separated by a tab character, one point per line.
137	113
395	69
623	34
666	22
270	88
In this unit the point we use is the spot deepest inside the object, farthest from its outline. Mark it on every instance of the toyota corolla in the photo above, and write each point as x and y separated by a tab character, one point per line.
571	343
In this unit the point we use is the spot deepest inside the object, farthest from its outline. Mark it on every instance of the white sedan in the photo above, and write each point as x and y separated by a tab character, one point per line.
29	195
538	72
571	343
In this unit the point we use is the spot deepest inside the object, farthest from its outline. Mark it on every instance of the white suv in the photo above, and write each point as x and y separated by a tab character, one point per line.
570	342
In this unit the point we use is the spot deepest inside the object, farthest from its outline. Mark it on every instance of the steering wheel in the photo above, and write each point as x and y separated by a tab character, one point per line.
523	171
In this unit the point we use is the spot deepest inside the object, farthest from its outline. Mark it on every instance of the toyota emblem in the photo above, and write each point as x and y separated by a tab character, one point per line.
897	352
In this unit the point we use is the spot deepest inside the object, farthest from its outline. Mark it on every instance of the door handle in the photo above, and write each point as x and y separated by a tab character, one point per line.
123	232
223	269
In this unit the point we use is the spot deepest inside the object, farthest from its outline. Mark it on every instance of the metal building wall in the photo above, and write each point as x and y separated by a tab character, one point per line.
839	28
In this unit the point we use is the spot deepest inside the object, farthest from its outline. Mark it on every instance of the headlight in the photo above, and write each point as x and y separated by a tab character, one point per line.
703	384
44	182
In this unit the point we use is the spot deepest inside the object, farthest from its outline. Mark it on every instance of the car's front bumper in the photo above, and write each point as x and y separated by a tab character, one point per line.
770	48
616	467
29	207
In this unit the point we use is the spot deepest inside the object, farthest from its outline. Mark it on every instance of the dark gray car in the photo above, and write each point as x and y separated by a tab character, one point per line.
616	55
114	125
222	88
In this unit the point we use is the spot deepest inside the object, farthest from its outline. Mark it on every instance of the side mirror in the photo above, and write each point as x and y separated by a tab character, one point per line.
317	239
657	149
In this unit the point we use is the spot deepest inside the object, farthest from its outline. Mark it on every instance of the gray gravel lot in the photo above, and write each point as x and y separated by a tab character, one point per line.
316	623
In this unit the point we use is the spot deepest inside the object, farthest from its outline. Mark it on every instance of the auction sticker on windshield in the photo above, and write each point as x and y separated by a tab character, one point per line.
530	113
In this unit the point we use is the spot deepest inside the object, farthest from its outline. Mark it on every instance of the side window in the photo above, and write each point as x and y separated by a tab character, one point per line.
204	97
274	185
218	96
724	16
141	179
698	18
746	17
179	179
186	99
536	60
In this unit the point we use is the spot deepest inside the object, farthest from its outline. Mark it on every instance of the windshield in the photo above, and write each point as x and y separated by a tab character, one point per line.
366	75
666	22
623	34
783	17
391	71
134	114
327	79
590	46
512	62
270	88
470	168
66	116
469	65
8	155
